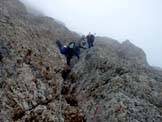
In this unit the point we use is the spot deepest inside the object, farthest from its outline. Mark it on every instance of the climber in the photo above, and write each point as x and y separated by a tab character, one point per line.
69	51
82	42
90	40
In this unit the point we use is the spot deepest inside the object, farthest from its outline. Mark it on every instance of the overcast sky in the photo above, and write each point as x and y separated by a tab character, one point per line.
140	21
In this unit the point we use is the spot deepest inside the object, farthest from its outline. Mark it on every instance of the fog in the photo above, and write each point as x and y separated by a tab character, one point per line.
140	21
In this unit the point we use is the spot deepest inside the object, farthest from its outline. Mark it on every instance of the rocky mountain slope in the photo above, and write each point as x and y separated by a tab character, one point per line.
112	82
30	64
124	89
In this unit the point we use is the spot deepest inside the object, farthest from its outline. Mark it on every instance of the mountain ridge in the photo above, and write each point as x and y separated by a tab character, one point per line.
111	82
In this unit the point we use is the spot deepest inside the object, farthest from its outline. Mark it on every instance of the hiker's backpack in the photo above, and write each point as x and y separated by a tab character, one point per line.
74	49
71	45
82	44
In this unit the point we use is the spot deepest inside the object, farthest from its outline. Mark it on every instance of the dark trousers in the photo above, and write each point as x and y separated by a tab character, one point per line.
90	43
68	59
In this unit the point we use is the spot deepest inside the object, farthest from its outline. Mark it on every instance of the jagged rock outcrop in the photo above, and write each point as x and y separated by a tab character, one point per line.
134	54
120	89
111	82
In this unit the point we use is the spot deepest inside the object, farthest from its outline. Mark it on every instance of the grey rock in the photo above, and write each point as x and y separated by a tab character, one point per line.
113	81
121	86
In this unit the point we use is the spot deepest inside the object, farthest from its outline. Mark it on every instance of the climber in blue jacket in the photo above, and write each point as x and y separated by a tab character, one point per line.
69	51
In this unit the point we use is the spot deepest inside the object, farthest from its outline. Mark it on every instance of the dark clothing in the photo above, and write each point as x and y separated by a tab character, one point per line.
73	49
90	40
68	59
77	52
90	44
69	51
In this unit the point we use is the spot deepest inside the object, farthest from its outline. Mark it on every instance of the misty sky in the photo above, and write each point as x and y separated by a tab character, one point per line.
140	21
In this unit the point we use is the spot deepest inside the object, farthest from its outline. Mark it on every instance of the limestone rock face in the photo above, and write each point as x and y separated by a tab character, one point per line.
111	82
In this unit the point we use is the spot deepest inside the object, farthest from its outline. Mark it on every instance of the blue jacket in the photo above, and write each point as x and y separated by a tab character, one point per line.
64	50
69	52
